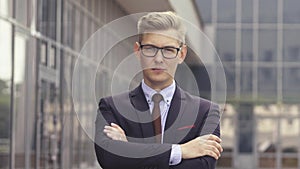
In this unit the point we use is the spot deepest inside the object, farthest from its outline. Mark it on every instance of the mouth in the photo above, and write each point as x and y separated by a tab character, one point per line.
158	70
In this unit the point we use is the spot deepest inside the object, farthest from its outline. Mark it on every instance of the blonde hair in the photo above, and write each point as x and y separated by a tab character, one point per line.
161	21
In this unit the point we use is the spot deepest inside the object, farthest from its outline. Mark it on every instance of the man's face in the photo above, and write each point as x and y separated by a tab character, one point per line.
159	71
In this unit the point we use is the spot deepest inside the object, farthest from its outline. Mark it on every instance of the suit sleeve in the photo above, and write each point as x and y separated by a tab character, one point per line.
210	126
118	154
205	162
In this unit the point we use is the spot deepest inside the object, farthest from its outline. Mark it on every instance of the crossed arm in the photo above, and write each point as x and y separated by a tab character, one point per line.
209	145
111	141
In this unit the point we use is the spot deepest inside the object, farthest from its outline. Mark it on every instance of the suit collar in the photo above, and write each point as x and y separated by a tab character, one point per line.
175	113
138	99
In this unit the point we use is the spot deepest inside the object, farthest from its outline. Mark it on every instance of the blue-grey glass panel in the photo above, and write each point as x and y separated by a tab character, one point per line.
267	82
204	9
291	45
291	11
267	11
225	44
291	81
5	109
246	80
245	128
246	46
21	11
267	47
69	25
226	11
229	69
247	11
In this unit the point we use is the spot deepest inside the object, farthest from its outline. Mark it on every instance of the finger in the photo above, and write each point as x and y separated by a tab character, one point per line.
215	138
113	129
216	145
111	132
214	152
117	127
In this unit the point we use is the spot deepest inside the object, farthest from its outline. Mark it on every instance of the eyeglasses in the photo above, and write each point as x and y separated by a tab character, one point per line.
168	52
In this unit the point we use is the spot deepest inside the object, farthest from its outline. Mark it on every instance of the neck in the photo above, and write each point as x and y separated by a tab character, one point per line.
158	86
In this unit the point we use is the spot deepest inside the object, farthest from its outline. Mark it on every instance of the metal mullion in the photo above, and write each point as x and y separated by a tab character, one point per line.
255	73
298	156
279	79
255	49
12	89
58	86
238	50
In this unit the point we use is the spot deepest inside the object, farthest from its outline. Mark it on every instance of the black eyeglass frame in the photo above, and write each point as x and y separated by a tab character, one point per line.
160	48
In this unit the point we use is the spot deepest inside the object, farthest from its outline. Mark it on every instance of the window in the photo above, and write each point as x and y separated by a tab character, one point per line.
246	46
267	11
291	45
247	11
226	11
225	44
204	9
267	45
291	11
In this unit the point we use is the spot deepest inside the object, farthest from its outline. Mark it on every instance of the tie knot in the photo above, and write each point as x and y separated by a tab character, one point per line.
156	98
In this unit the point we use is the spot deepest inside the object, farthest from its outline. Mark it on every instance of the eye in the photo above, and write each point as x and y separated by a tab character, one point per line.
149	48
170	50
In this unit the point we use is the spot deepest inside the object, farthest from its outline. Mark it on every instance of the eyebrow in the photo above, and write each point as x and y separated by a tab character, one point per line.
168	46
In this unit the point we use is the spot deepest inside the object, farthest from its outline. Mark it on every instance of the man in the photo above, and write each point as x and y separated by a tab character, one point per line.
158	125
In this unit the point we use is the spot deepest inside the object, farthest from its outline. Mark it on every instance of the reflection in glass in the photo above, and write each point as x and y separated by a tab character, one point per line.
247	11
291	45
204	9
225	44
291	11
246	81
230	77
267	11
246	46
291	80
5	79
21	12
289	129
266	142
226	11
20	109
52	57
267	45
267	82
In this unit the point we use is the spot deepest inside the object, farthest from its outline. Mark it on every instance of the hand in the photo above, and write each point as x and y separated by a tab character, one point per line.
115	132
201	146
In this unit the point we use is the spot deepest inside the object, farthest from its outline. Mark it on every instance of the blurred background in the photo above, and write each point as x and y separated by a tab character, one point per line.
258	42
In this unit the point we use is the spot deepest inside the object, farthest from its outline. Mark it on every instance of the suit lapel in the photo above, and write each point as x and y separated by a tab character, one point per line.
141	106
177	108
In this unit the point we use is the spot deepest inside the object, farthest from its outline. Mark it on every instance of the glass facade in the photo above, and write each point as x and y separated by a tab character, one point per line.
258	43
40	43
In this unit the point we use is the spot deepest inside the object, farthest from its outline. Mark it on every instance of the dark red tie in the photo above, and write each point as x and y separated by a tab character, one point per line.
156	98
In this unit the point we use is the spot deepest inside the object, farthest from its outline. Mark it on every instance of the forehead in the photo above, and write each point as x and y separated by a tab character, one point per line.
168	37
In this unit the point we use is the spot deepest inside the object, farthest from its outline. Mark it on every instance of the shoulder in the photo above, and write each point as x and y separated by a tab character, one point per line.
202	102
121	97
117	97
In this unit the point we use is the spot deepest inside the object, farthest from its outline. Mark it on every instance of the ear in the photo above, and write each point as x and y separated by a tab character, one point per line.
182	53
136	49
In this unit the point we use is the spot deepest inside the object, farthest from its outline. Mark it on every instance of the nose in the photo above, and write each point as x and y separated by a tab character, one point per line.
159	57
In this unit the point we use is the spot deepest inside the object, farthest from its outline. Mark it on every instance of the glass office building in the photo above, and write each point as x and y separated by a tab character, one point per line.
40	42
258	42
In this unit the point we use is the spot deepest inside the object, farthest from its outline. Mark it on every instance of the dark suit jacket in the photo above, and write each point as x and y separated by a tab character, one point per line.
188	117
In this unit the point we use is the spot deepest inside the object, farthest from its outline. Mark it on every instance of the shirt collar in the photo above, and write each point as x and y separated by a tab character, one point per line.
167	92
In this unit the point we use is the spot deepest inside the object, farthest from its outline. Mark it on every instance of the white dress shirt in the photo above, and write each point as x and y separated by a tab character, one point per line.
164	106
